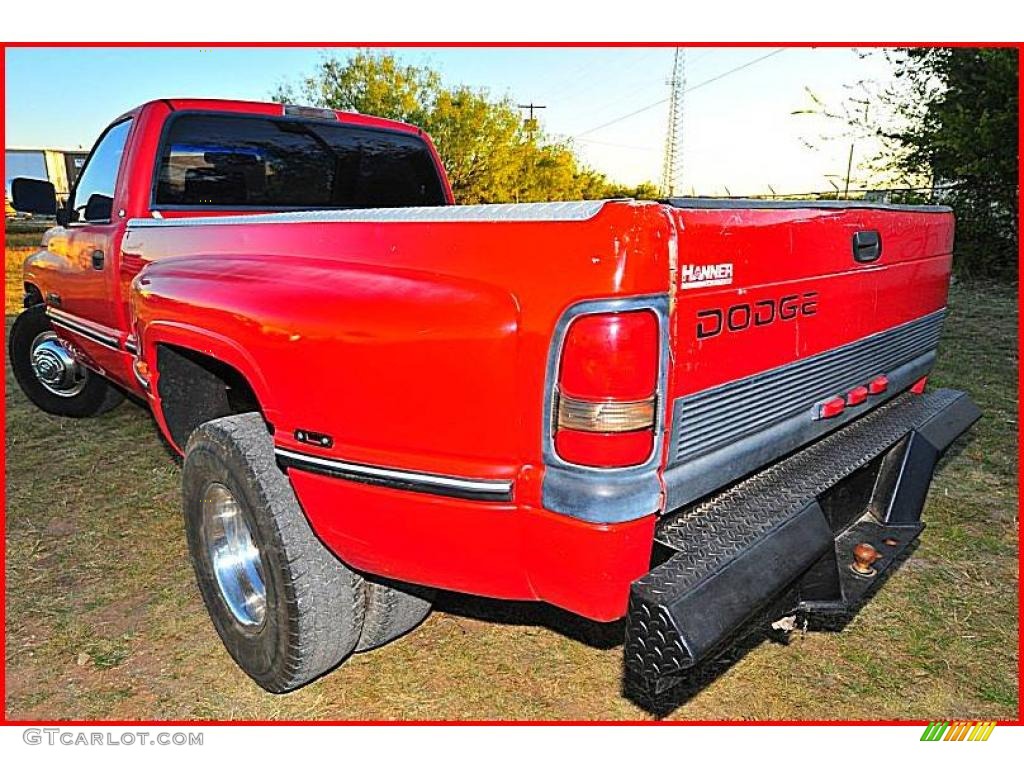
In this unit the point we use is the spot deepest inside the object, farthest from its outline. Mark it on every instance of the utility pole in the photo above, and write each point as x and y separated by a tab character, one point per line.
672	166
531	126
849	168
531	121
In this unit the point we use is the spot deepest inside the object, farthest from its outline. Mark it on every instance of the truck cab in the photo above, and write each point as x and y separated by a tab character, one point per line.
191	157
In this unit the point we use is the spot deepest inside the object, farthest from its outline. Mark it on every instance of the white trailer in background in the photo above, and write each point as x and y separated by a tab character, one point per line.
58	166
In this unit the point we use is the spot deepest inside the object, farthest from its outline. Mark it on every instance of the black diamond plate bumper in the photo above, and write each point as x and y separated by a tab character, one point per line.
787	533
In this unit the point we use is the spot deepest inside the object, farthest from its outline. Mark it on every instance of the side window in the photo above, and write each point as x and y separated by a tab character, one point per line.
93	197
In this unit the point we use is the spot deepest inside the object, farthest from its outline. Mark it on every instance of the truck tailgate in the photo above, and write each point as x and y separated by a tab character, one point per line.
781	307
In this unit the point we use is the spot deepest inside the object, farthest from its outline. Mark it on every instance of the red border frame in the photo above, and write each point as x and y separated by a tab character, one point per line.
477	44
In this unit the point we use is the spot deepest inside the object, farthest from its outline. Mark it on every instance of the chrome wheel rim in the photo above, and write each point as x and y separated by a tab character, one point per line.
234	557
54	367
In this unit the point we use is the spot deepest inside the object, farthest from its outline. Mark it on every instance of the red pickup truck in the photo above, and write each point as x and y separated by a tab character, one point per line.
686	414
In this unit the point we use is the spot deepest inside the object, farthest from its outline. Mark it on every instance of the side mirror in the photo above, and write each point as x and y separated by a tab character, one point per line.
99	207
34	196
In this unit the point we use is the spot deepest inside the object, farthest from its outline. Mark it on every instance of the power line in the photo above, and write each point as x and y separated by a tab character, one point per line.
616	144
624	117
590	77
710	80
687	90
692	61
569	82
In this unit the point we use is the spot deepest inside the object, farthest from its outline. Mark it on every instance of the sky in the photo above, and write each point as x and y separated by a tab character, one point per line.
740	133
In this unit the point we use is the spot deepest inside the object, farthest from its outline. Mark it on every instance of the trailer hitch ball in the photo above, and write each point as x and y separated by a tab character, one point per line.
864	556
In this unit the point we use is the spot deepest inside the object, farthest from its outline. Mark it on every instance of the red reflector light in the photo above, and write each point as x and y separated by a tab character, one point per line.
919	385
878	385
607	386
857	395
604	449
831	407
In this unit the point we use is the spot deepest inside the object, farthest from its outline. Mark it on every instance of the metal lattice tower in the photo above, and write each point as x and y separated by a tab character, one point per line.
672	167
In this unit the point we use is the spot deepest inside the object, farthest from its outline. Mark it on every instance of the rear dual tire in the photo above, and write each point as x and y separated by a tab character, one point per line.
390	613
285	607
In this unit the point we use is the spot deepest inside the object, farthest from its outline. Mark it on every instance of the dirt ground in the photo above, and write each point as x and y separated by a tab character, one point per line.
103	619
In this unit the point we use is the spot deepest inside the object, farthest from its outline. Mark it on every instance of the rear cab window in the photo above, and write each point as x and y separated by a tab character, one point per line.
210	160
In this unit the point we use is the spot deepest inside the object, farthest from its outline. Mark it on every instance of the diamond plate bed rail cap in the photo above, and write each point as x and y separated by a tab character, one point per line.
582	210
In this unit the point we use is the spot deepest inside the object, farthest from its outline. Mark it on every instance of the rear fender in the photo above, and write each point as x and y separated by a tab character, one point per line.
329	346
207	343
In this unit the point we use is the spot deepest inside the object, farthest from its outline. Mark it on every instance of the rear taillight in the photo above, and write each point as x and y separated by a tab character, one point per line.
607	389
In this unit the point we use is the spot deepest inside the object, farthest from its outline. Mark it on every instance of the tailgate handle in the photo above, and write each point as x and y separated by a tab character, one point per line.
867	245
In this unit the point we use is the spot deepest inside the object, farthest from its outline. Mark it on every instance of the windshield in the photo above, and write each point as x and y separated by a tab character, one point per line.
229	161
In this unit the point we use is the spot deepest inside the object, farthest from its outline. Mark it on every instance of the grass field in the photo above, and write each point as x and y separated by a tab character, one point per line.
104	619
12	279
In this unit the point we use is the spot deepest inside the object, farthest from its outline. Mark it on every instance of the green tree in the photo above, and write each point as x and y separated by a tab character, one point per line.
490	155
480	142
370	84
946	129
959	127
646	190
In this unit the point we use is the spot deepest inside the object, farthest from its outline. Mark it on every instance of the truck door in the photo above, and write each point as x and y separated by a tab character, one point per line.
86	291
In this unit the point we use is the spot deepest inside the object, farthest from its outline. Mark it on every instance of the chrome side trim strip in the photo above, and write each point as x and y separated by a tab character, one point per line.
71	323
567	211
423	482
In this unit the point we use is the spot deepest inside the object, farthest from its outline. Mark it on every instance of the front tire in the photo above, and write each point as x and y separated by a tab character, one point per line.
49	376
286	609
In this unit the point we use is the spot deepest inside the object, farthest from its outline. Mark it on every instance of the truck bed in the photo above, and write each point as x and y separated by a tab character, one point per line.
449	320
798	318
